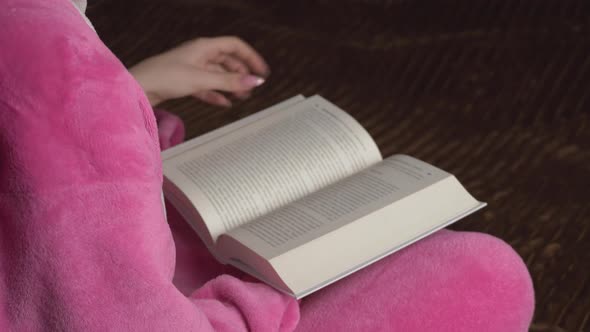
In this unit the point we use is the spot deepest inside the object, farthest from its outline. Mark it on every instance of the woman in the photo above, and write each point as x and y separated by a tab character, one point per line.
84	241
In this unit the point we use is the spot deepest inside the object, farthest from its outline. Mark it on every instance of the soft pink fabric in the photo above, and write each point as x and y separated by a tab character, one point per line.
84	245
170	129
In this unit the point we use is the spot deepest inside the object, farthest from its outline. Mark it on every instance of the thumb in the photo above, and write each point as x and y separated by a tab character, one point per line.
224	81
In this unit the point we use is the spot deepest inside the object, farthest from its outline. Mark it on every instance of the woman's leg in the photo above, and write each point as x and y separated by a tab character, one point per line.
450	281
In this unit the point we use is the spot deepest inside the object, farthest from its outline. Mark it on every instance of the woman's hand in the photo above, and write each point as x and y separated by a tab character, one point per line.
204	68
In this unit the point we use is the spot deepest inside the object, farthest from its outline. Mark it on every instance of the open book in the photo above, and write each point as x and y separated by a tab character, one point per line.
299	196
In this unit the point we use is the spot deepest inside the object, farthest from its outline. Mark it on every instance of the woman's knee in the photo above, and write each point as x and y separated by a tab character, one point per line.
486	277
450	281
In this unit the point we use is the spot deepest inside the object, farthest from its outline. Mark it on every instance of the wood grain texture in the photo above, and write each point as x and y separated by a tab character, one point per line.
496	92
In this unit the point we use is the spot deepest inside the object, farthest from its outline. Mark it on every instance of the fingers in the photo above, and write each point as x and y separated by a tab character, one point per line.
228	82
227	64
222	64
238	84
215	67
213	98
240	50
231	64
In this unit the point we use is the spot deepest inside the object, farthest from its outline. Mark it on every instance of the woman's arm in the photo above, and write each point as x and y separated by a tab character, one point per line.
83	241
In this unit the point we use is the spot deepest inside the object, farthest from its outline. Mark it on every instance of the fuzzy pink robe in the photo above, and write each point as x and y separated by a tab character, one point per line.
85	246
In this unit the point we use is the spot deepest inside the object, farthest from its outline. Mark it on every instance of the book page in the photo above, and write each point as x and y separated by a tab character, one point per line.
173	193
335	206
271	162
227	129
352	223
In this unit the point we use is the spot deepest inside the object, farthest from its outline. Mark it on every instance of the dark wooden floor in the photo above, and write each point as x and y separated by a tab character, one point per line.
496	92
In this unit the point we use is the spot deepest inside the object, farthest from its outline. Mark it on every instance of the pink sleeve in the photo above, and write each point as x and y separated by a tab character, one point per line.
84	244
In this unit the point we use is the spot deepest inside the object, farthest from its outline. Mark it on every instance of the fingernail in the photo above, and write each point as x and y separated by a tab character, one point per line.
251	81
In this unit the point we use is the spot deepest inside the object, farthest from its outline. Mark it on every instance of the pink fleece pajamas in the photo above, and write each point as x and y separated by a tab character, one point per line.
85	245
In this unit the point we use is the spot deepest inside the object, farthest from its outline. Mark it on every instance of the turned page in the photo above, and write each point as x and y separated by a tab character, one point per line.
268	163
